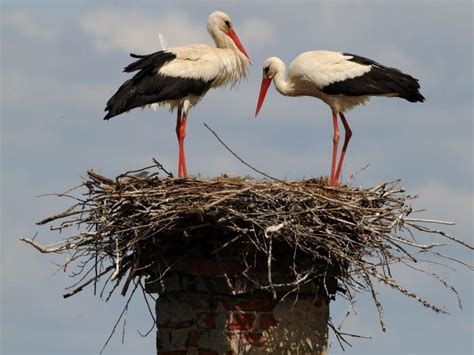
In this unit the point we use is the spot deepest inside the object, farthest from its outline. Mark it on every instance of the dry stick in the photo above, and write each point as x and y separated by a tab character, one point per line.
357	172
128	172
269	267
375	298
394	285
226	197
440	232
435	221
124	324
96	262
96	176
226	244
416	245
241	160
69	212
226	277
339	335
81	268
117	260
118	320
160	166
72	293
469	266
48	249
63	194
355	335
339	338
441	280
149	311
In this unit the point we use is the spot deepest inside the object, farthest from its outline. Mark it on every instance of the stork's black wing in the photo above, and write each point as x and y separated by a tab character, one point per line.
379	80
149	86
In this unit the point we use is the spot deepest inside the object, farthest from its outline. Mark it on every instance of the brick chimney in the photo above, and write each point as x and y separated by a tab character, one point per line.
209	307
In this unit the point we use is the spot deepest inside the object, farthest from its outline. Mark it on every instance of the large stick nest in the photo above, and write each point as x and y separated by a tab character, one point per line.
118	229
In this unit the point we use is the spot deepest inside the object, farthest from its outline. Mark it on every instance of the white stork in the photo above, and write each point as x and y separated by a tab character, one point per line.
342	81
180	77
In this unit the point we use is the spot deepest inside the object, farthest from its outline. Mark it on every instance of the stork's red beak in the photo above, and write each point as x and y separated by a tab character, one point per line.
263	91
231	33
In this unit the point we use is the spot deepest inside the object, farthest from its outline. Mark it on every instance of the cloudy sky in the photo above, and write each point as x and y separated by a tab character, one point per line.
61	61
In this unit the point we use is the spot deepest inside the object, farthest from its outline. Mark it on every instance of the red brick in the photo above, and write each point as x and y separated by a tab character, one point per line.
261	305
242	321
253	339
207	352
267	321
258	305
193	338
209	320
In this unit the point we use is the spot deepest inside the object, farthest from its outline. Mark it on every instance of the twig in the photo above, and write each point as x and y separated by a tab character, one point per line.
118	320
79	289
48	249
240	159
160	166
117	260
435	221
150	311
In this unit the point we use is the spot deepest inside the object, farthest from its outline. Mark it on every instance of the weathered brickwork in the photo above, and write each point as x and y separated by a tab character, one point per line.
198	323
201	314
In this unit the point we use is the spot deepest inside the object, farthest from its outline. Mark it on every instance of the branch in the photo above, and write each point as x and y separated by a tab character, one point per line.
240	159
49	249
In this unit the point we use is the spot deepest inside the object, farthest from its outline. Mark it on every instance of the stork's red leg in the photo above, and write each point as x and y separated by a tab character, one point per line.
182	135
178	134
335	142
347	138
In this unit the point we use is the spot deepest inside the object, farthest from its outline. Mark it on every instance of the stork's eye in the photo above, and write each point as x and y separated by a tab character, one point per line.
266	70
227	23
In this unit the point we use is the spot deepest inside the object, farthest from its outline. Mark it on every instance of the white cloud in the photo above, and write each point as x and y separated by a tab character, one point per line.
115	29
255	32
28	25
22	89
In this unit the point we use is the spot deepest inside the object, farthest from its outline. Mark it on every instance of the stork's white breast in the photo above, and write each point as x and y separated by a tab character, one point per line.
222	66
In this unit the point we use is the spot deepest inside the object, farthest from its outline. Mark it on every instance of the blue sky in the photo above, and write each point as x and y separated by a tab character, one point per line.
60	62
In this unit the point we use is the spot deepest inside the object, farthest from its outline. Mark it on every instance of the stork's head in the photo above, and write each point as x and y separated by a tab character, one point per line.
219	26
271	66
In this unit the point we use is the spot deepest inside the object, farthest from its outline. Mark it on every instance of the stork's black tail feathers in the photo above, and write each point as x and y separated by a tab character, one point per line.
380	80
397	82
142	89
413	95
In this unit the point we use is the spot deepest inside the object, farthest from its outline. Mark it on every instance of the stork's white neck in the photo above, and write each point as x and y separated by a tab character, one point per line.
223	41
283	86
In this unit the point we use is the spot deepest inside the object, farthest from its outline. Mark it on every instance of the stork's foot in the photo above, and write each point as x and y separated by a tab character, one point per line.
333	182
